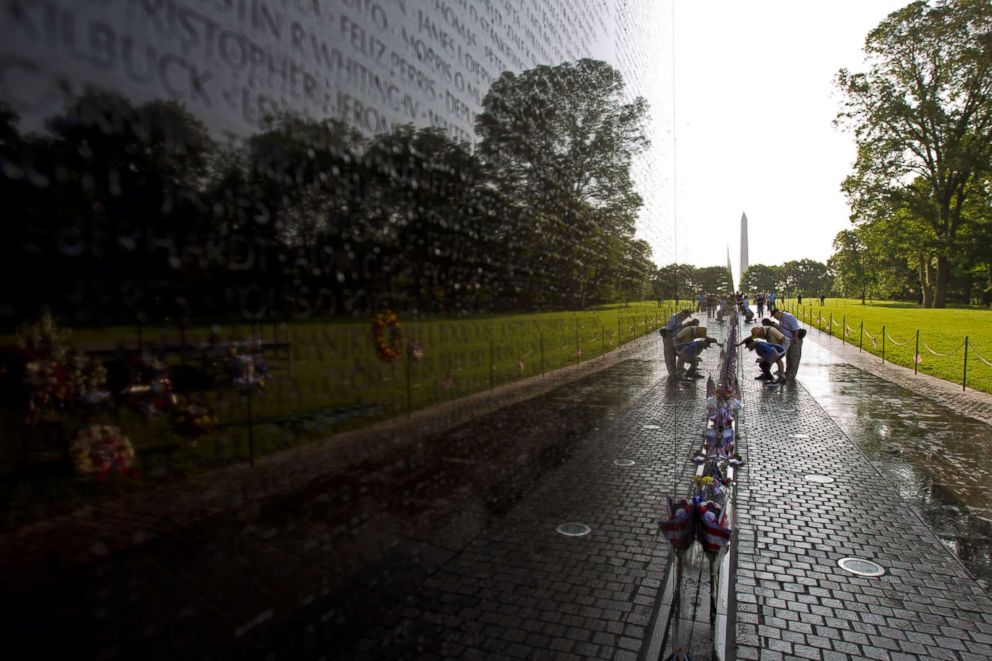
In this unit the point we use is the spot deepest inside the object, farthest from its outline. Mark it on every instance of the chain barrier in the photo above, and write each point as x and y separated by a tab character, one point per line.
937	353
980	356
893	341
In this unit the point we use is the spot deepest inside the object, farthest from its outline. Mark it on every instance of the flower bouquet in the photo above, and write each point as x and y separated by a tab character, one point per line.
196	418
99	450
248	372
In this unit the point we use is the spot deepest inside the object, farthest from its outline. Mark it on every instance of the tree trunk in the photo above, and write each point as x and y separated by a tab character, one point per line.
926	288
943	277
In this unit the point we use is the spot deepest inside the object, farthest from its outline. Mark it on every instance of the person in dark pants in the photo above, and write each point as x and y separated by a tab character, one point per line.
689	352
768	354
675	323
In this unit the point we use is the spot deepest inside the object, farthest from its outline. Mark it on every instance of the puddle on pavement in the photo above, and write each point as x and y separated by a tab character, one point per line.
937	460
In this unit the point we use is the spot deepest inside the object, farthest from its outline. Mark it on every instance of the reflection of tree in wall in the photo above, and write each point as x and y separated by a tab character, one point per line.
559	140
131	211
105	204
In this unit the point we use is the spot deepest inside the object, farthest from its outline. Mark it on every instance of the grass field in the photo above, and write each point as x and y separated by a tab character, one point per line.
326	378
942	335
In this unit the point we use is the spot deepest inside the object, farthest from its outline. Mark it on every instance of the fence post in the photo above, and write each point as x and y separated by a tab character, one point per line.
830	326
602	341
619	332
964	378
492	365
916	356
861	335
409	399
883	343
578	349
541	335
843	331
819	321
251	435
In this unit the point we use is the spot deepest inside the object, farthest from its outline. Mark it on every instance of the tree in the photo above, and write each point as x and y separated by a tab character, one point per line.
922	114
758	278
676	281
806	277
847	265
714	280
559	141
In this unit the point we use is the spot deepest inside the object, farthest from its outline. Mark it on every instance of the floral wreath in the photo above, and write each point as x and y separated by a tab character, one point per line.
387	336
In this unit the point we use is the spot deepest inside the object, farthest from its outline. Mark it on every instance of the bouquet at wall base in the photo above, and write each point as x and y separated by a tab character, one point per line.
151	390
99	450
248	372
196	418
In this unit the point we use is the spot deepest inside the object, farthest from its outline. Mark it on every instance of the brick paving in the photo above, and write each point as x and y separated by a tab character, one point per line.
446	546
793	599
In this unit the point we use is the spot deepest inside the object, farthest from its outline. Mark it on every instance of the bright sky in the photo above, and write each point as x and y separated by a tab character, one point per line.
754	102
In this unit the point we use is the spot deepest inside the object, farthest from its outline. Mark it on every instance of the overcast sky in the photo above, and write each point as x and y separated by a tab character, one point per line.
754	104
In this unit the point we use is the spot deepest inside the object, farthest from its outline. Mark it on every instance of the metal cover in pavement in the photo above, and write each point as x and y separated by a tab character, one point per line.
860	567
819	479
574	529
623	462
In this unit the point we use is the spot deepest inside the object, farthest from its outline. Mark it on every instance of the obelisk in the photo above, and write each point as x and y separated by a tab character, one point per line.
744	263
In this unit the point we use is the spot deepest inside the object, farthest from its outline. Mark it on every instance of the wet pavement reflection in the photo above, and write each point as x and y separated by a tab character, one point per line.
936	459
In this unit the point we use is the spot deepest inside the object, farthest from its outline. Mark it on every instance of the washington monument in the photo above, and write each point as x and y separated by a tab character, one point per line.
744	262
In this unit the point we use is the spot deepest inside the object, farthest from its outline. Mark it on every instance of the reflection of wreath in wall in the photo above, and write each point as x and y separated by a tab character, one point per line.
387	336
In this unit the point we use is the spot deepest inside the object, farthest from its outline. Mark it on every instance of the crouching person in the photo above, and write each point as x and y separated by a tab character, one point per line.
768	354
690	344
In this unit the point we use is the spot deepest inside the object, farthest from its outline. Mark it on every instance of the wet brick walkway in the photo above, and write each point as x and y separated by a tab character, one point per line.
793	599
446	547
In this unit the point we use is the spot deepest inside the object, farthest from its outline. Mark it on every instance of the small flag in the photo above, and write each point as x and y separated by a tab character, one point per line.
918	359
520	365
874	344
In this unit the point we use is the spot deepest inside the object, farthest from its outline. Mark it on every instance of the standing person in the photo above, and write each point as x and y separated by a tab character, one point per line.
759	300
799	299
746	309
771	301
788	325
701	306
823	300
668	332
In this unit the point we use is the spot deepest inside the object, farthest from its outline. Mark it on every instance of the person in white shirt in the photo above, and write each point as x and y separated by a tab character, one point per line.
788	325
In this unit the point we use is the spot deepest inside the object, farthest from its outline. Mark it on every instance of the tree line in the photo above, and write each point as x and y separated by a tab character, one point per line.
685	282
120	211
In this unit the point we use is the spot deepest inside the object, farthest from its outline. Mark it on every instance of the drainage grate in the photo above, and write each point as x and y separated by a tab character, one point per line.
860	567
623	462
573	529
819	479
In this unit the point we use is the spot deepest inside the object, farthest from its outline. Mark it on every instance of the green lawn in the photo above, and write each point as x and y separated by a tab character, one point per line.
942	335
331	380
